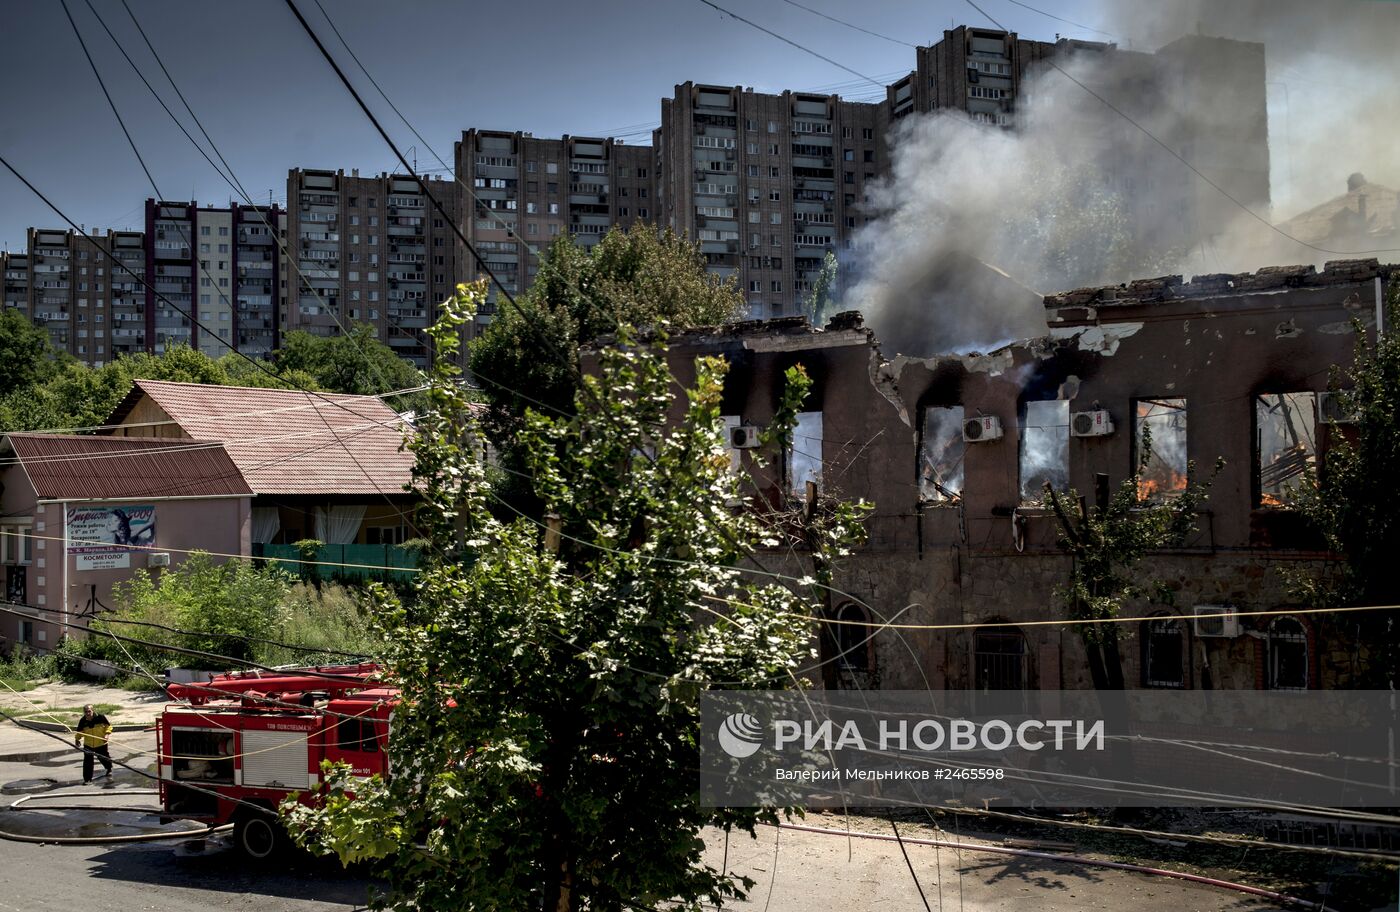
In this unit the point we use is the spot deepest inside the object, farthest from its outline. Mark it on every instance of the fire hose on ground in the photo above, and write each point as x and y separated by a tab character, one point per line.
102	840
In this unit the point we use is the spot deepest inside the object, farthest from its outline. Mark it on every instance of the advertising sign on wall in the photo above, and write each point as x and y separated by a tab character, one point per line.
102	536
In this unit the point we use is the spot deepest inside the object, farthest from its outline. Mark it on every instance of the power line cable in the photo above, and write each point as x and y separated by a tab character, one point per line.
10	609
230	178
1087	28
849	25
803	48
404	516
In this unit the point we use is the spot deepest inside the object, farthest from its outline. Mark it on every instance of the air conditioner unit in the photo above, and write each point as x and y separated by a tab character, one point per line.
1216	621
1332	409
1096	423
158	560
981	429
744	437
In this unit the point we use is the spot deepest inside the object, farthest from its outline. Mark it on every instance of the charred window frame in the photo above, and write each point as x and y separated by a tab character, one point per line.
1165	656
1164	420
1044	454
1288	655
941	452
804	455
1285	443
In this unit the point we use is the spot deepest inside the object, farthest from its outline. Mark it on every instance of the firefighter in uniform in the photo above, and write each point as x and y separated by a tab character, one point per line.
91	736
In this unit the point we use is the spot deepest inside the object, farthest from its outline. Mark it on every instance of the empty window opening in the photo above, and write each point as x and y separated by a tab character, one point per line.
941	455
804	462
1044	448
1286	425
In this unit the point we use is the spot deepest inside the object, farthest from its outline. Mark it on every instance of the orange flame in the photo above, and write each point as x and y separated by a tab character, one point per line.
1165	484
1270	500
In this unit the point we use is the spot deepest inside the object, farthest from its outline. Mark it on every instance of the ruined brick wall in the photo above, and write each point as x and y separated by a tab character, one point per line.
1218	342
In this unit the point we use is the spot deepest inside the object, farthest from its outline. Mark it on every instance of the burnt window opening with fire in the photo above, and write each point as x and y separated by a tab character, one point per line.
1159	432
941	455
1286	441
1044	448
804	457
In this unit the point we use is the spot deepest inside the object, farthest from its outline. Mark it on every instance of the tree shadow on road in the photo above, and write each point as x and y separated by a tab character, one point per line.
1034	872
304	878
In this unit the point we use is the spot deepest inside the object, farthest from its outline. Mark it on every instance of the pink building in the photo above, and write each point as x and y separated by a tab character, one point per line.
80	514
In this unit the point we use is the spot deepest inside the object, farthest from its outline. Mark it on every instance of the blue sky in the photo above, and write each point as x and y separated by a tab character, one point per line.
271	103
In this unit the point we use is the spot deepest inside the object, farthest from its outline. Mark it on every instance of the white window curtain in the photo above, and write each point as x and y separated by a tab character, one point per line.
266	523
338	524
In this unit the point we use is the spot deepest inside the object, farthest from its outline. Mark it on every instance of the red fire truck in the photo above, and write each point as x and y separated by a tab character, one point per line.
247	740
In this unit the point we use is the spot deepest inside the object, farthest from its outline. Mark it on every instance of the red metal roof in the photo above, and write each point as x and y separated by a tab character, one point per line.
288	441
64	467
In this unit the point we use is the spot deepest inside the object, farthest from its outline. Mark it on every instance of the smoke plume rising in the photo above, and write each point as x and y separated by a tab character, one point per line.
975	222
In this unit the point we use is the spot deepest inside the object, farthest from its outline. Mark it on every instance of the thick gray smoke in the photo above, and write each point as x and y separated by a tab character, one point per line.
975	223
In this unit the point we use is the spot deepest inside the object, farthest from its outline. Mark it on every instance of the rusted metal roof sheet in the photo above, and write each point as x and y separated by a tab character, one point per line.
288	441
71	467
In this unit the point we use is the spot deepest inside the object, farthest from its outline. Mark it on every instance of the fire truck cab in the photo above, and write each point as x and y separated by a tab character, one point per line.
233	749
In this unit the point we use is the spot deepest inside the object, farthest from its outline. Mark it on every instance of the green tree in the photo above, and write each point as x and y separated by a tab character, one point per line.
25	352
1353	502
636	277
547	735
259	373
355	362
1108	544
80	396
224	604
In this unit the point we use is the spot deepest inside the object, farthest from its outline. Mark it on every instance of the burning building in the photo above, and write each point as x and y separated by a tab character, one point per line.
954	452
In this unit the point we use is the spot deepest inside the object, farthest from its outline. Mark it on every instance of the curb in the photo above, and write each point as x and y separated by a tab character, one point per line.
57	727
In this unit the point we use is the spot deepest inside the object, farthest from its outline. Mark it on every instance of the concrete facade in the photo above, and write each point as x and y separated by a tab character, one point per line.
768	184
369	250
520	192
65	282
54	588
1227	354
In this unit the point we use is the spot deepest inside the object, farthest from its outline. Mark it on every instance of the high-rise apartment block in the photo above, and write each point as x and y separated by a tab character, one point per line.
213	277
66	283
369	250
521	192
768	184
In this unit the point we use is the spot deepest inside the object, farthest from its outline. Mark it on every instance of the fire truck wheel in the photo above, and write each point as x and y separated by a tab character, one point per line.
260	837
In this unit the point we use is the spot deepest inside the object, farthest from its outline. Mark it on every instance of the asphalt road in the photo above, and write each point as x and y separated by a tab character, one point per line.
149	876
792	872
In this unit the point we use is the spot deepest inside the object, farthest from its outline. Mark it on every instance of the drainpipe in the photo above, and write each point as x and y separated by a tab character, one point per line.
1380	309
63	556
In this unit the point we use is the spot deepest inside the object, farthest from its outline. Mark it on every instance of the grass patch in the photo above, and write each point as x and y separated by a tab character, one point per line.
65	715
